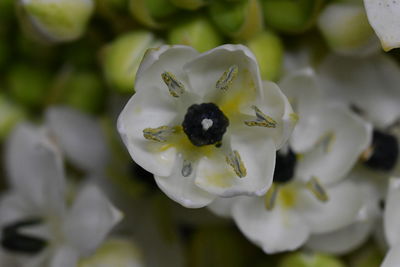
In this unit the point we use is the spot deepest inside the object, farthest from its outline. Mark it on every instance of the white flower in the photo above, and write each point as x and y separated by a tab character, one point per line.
306	197
37	224
384	17
204	124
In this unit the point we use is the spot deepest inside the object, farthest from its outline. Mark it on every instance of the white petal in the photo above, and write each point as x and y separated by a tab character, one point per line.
384	17
205	70
64	257
341	210
274	231
14	207
222	206
148	109
370	83
35	168
158	60
343	137
343	240
80	137
216	176
90	219
391	216
392	258
183	189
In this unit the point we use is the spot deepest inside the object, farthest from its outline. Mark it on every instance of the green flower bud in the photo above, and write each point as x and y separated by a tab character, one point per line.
346	29
198	33
189	4
123	56
56	21
291	16
268	49
10	115
114	253
367	256
152	13
239	20
29	85
300	259
84	91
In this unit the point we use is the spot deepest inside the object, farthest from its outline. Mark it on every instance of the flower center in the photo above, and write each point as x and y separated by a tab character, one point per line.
205	124
15	241
284	166
383	152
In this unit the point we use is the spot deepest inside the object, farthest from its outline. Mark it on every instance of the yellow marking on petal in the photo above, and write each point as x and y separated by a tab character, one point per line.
261	120
227	78
287	197
271	196
175	87
235	161
221	179
294	117
327	141
316	188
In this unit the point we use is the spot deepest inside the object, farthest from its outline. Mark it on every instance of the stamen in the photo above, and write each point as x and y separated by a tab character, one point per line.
175	87
236	163
186	168
159	134
207	124
271	197
14	241
261	120
327	141
316	188
227	78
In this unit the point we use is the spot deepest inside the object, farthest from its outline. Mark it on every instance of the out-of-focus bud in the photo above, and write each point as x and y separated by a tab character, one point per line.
198	33
152	13
121	58
291	16
10	115
369	255
84	91
239	20
346	29
28	85
268	49
300	259
56	20
189	4
115	253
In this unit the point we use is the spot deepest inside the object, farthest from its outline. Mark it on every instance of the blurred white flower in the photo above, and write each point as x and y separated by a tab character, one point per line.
306	197
204	124
384	16
56	20
38	224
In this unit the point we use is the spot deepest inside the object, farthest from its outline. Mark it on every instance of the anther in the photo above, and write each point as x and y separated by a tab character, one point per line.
159	134
235	161
227	78
261	120
317	189
175	87
15	241
271	197
186	168
327	141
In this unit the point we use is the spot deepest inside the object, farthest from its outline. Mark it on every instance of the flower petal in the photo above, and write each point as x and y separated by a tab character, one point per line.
80	137
216	176
343	136
372	86
148	109
274	231
391	217
384	17
35	168
222	206
64	257
183	189
90	219
392	258
343	240
207	68
345	202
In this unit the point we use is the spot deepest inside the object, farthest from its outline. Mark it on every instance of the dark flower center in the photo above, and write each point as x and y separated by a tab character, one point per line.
15	241
205	124
385	151
284	166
